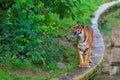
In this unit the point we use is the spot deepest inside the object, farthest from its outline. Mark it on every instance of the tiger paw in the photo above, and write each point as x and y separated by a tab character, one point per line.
80	66
83	66
86	65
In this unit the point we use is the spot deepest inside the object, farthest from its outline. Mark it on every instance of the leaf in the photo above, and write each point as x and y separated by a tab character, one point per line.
18	37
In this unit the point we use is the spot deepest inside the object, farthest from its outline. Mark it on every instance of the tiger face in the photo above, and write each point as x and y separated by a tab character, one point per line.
77	29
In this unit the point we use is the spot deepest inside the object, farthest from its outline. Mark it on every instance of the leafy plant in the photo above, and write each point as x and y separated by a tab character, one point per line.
23	33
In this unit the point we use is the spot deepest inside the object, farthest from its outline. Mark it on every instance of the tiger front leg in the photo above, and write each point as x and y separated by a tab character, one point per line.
81	61
87	57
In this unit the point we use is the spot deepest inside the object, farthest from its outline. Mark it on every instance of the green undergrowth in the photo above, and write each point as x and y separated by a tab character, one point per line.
109	20
56	73
10	75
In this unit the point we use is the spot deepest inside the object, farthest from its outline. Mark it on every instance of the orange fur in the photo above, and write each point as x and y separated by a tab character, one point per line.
88	36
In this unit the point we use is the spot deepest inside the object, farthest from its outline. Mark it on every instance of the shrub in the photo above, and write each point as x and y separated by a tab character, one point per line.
24	34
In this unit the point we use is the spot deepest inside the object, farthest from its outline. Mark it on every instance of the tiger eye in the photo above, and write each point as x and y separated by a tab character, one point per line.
74	27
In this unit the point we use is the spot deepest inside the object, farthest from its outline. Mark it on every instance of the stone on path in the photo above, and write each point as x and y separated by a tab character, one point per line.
60	65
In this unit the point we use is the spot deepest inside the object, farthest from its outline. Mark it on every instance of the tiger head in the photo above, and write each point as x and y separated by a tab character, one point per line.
77	29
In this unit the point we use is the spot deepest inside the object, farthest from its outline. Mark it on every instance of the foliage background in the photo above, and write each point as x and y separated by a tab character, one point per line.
31	31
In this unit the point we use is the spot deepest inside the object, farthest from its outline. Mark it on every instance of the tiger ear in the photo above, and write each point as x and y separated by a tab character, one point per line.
78	22
82	25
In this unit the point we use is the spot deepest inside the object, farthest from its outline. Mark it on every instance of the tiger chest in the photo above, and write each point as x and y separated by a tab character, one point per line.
83	46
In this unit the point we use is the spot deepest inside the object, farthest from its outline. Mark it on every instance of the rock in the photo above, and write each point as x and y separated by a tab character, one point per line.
61	65
115	38
114	59
106	68
117	77
64	76
107	41
114	70
115	55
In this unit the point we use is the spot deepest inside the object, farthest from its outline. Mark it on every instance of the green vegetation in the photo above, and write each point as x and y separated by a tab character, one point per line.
30	35
109	19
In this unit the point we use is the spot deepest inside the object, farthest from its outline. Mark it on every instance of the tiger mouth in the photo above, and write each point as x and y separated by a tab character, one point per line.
73	33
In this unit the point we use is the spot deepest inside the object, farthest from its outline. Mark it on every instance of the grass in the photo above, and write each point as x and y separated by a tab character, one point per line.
109	20
10	75
14	76
58	72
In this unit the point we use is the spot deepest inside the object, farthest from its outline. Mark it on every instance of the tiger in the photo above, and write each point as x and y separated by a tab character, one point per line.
84	43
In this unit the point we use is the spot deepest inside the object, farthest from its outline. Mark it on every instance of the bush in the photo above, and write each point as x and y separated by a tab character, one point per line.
23	33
